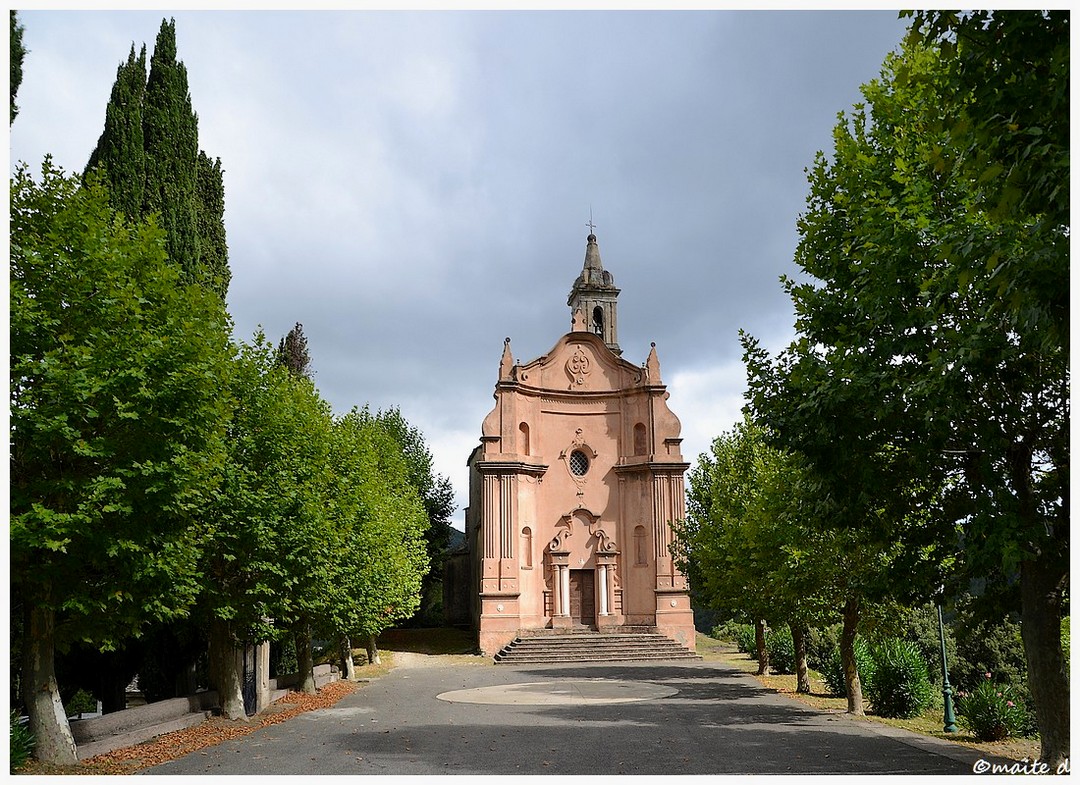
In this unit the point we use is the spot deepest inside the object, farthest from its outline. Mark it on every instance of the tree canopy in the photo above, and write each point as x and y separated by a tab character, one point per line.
931	365
116	415
159	472
149	151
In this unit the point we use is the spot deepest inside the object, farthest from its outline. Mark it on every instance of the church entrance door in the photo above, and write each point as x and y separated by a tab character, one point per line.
582	597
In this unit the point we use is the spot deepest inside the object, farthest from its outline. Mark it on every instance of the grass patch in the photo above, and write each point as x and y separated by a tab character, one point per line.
429	640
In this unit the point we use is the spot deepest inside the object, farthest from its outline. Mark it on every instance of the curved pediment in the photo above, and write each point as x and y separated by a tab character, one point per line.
581	362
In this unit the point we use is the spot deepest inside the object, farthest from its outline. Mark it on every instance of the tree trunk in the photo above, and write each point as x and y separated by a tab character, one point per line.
1044	580
304	661
1042	583
847	658
802	673
225	670
762	649
347	666
372	651
48	720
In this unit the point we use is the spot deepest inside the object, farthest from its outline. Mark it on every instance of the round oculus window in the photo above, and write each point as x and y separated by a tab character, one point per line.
579	463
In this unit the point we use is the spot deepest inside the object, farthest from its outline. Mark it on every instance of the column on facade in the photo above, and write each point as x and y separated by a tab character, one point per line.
603	590
564	589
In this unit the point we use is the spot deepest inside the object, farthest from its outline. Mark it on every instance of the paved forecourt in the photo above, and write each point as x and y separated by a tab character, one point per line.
674	717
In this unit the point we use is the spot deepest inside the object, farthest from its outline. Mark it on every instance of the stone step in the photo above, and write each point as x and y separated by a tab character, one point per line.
592	657
595	647
592	647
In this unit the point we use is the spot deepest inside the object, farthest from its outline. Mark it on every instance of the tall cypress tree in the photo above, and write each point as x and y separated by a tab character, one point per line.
18	52
171	138
153	165
214	270
120	150
292	352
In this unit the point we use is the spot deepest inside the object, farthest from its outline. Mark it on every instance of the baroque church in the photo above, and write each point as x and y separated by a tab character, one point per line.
573	486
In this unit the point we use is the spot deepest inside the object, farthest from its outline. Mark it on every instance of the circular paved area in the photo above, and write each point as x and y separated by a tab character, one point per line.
568	692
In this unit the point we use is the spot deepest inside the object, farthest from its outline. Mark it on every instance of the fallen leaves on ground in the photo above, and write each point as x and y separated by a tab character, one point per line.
211	732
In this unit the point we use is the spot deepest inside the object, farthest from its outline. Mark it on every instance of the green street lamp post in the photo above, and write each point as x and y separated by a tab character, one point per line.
946	688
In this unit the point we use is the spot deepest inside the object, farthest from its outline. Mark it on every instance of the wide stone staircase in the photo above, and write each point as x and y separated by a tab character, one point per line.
590	646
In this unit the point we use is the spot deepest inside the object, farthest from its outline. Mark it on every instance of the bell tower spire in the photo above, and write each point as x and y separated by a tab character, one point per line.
594	295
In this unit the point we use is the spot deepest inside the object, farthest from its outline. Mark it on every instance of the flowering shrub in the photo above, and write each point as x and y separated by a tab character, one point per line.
900	686
991	711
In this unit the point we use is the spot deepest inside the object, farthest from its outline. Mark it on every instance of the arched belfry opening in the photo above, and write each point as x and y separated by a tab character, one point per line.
594	294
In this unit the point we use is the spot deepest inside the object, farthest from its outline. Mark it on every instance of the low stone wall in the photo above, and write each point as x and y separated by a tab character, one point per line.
97	735
324	674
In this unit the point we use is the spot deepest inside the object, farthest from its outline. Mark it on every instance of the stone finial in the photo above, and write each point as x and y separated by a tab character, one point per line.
579	324
652	365
506	364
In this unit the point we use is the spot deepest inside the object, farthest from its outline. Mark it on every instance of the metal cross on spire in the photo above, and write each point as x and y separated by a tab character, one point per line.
590	224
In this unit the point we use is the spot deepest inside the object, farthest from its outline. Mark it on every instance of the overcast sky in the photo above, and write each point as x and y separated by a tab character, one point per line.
415	186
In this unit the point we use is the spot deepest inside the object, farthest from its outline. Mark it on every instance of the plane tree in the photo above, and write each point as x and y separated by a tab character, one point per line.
437	495
929	369
117	422
381	520
761	540
270	542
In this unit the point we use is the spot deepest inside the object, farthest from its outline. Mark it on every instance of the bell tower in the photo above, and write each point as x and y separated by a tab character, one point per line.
594	294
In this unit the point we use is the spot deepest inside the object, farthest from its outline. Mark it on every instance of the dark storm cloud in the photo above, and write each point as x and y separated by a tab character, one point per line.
414	187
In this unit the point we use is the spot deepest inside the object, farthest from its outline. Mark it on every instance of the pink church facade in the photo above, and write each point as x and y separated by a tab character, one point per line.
574	485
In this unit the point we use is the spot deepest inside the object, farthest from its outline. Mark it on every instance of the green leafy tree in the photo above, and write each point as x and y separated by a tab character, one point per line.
382	552
149	151
437	495
923	363
308	542
116	420
267	553
17	55
1007	73
755	545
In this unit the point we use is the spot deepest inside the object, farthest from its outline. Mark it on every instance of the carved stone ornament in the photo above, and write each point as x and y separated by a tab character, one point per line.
604	543
578	368
557	545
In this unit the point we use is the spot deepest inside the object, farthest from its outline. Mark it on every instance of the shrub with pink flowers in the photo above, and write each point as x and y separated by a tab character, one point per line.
991	711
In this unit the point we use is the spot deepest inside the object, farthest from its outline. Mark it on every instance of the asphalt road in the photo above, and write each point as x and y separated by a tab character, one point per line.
670	718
